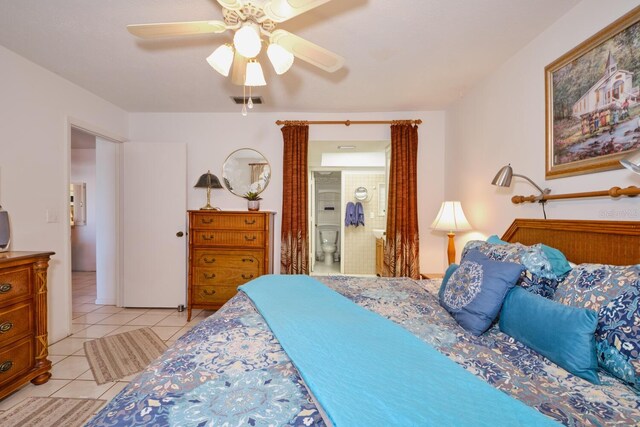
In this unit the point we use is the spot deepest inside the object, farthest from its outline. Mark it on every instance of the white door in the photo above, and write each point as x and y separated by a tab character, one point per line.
154	216
312	221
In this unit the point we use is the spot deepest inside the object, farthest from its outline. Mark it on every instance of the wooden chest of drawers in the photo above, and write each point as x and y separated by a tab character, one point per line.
226	249
23	320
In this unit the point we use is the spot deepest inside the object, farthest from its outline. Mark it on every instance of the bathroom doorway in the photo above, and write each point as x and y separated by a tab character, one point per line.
327	203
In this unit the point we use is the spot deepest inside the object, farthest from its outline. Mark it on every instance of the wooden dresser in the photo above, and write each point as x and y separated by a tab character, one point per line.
226	249
23	320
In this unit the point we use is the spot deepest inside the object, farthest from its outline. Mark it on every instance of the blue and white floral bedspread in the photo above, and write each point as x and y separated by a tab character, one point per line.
231	371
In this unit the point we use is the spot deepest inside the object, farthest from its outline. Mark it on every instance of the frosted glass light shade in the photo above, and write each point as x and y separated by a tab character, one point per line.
280	58
632	161
247	40
254	76
221	59
451	218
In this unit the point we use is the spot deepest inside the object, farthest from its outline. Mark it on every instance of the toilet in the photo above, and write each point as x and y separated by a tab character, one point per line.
329	242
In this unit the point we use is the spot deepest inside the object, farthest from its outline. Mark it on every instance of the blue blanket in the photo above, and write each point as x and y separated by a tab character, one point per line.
365	370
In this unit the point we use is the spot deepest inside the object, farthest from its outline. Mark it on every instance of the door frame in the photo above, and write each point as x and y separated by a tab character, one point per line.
73	122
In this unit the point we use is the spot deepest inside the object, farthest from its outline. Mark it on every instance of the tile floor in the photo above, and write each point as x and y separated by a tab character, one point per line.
71	376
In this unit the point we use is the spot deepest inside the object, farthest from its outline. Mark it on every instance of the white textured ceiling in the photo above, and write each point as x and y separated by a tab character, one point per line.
400	54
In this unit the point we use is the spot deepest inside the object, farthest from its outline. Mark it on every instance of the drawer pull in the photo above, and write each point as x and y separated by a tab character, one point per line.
208	293
5	366
246	221
5	327
5	287
210	276
249	239
207	220
209	260
207	237
244	276
247	259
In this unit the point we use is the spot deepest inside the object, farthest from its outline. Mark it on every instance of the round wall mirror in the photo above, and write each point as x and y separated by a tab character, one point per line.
361	193
246	171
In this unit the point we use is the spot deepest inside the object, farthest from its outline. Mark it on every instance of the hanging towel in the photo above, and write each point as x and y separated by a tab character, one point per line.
359	214
350	215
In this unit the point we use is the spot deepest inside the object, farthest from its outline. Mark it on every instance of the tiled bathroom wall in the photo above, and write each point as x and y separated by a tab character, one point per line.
359	256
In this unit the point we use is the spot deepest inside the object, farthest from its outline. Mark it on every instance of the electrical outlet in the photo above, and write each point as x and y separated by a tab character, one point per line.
51	215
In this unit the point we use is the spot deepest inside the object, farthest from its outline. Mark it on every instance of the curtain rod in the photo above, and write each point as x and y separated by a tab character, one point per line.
630	191
348	122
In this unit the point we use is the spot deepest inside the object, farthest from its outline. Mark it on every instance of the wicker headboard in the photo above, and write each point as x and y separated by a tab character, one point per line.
582	241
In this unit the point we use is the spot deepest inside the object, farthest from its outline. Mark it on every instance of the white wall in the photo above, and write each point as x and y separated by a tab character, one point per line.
211	137
502	121
35	108
83	237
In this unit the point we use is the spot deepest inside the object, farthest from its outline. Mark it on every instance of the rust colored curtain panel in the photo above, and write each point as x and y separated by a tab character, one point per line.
294	251
401	253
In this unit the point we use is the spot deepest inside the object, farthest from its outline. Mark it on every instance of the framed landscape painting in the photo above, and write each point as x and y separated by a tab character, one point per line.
593	101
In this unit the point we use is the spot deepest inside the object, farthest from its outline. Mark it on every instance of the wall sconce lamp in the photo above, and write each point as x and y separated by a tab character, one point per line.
208	181
504	176
451	219
632	161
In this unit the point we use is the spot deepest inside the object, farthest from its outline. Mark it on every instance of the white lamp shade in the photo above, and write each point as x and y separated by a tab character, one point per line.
247	41
632	161
280	58
451	218
254	76
221	59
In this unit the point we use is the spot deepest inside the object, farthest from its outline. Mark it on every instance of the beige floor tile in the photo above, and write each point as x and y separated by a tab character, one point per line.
173	321
162	311
85	308
55	359
111	309
128	378
165	332
66	347
86	375
180	333
91	318
81	351
125	328
135	310
147	319
83	389
169	343
31	390
77	327
118	319
113	391
83	299
70	368
95	331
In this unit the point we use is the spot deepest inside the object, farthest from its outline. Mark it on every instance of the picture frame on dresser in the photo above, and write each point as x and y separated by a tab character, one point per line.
226	250
592	100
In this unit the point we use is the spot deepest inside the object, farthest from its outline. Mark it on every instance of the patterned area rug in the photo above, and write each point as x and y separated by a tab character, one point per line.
50	411
116	356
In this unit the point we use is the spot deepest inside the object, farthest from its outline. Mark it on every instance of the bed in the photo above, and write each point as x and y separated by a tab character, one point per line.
230	370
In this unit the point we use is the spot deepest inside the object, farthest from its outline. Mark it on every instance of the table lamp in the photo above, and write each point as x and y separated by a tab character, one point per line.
208	181
451	219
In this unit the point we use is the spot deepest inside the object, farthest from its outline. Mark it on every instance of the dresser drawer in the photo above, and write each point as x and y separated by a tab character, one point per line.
214	295
16	359
15	283
225	222
224	276
229	238
15	321
249	259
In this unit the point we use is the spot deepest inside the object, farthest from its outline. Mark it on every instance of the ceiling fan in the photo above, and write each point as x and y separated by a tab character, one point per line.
250	20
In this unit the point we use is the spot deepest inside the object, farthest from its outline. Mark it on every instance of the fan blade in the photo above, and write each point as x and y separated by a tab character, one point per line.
239	69
307	51
231	4
281	10
172	29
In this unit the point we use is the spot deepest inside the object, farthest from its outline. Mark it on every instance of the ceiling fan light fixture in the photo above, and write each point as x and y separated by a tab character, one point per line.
221	59
254	75
280	58
247	40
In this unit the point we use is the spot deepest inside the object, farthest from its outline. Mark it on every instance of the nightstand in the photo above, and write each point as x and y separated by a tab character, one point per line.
428	276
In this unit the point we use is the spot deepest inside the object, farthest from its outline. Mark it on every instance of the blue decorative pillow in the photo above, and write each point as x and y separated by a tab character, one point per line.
559	263
447	275
539	276
475	291
563	334
614	292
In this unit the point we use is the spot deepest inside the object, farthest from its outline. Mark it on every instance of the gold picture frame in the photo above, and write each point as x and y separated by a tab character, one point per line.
592	101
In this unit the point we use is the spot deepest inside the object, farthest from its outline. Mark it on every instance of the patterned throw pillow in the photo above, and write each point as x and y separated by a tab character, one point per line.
539	276
475	291
613	292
